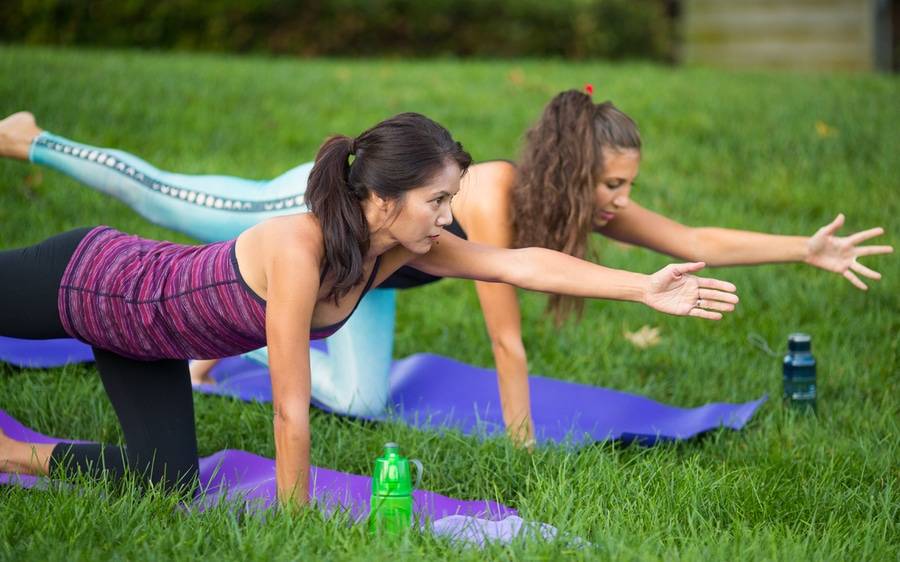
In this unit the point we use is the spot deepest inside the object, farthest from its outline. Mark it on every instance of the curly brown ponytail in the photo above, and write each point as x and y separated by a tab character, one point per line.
559	168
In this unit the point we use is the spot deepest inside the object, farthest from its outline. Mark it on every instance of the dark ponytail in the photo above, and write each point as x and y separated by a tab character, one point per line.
337	207
399	154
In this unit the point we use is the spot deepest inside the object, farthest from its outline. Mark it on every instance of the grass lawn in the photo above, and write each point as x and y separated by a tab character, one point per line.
721	148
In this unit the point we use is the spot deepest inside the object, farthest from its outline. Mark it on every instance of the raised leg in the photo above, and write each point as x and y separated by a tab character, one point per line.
209	208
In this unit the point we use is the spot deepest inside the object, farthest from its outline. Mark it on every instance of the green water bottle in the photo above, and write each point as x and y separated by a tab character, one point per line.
392	503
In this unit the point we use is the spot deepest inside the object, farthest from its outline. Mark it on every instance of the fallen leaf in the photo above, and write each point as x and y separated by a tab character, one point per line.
516	76
32	181
646	336
824	130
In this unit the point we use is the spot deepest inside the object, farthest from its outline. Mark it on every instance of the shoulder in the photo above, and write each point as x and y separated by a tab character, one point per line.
294	236
500	175
488	196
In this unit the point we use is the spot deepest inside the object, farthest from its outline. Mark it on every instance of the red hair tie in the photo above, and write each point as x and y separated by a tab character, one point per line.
589	89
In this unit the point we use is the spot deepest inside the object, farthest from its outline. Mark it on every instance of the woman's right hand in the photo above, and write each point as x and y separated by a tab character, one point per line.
828	251
675	291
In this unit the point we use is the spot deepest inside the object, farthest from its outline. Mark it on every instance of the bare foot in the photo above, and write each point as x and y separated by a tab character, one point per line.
7	454
200	371
24	458
16	133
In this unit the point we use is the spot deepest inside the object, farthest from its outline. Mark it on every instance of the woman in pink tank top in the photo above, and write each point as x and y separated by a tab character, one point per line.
377	202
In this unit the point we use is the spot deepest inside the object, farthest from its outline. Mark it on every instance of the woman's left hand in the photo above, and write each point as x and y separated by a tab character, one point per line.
674	290
838	254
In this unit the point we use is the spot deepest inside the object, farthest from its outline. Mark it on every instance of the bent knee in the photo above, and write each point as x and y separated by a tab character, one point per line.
364	403
172	474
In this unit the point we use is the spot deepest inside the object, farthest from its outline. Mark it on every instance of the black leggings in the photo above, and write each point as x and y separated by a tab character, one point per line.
152	399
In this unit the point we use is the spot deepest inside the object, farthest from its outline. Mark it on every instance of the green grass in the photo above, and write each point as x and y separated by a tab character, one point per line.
729	149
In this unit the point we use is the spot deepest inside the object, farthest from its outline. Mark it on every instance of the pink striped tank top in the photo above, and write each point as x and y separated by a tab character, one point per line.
153	300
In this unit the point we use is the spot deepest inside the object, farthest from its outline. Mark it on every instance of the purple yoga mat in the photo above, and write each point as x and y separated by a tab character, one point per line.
239	476
233	474
431	391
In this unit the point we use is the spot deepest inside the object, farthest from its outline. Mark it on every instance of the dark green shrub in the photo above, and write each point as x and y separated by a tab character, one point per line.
480	28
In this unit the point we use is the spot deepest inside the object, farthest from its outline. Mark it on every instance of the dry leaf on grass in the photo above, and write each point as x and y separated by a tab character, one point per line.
516	76
824	130
646	336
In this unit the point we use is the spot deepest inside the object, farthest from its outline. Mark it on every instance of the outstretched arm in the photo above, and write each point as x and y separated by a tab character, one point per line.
724	246
672	289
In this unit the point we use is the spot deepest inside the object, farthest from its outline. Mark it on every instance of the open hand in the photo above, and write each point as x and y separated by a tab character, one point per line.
674	290
838	254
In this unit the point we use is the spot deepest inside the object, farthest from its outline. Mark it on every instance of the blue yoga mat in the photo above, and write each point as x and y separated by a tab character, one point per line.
430	391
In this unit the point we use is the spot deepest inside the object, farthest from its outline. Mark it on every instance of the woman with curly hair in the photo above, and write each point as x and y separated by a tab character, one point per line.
574	178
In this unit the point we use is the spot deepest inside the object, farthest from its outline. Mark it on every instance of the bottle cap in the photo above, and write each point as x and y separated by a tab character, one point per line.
799	342
391	476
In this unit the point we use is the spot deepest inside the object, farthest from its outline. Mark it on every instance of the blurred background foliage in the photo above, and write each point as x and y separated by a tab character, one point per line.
609	29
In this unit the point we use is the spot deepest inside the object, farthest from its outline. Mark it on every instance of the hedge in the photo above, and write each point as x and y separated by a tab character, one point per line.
613	29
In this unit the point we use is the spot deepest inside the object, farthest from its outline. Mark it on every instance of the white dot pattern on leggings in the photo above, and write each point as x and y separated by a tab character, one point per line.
194	197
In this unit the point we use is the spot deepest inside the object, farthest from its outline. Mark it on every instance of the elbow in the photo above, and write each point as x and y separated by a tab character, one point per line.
291	414
520	268
696	247
291	429
508	348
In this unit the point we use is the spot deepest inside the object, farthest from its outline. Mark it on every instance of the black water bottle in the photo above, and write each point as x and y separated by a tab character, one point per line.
800	373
